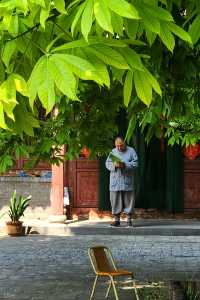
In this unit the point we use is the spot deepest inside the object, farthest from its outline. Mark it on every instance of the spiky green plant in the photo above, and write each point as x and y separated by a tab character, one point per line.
190	291
18	206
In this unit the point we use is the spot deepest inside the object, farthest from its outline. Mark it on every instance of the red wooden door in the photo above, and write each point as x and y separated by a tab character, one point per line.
191	184
82	177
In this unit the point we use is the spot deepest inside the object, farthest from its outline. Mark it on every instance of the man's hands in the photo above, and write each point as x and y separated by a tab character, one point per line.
120	165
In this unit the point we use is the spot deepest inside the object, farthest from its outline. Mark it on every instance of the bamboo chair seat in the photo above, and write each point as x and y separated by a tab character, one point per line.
118	272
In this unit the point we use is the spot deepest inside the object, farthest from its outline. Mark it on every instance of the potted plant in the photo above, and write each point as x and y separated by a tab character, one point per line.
17	206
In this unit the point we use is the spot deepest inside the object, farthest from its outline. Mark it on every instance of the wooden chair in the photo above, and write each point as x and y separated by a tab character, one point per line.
104	266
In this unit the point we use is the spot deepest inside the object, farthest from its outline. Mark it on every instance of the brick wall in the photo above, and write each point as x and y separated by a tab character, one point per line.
38	187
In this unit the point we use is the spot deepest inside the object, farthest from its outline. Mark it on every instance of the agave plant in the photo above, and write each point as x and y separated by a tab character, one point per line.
18	206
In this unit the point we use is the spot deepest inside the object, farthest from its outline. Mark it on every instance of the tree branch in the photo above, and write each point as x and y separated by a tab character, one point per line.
23	33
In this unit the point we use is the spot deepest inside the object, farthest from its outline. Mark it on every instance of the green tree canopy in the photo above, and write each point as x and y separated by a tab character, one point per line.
51	49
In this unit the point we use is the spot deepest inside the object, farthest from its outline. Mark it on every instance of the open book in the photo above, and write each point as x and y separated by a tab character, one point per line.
114	158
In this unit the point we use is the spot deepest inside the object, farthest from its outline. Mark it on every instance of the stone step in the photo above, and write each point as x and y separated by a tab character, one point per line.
141	227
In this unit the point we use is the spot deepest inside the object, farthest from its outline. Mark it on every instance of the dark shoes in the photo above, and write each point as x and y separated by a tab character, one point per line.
129	223
115	224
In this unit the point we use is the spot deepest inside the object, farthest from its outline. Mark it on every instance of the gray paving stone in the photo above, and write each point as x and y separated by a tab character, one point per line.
57	267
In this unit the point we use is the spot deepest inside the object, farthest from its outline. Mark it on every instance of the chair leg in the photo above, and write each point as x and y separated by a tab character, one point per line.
108	289
94	286
135	290
114	288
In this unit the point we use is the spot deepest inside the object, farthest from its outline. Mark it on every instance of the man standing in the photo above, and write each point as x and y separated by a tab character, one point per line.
121	180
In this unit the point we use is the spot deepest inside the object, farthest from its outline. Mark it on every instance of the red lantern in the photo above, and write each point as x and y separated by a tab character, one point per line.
192	151
85	152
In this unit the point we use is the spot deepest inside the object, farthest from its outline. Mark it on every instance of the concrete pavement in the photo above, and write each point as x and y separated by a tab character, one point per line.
45	267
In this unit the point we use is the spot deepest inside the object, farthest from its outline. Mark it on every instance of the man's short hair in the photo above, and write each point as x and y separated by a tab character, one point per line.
119	138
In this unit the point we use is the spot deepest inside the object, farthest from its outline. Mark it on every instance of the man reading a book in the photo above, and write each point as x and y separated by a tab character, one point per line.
121	163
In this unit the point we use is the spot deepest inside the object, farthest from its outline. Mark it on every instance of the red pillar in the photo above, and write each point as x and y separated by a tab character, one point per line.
57	188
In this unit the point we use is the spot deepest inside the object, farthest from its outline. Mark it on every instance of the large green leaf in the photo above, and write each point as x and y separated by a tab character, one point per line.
8	51
131	126
23	5
194	30
117	74
153	82
79	66
109	56
132	28
103	15
87	18
71	4
63	77
101	70
24	121
144	82
8	96
70	45
58	69
77	17
44	14
11	23
150	22
100	73
20	84
9	5
132	58
36	79
117	23
60	6
157	12
143	88
2	119
128	87
91	41
179	32
123	8
46	90
39	2
166	37
50	69
151	36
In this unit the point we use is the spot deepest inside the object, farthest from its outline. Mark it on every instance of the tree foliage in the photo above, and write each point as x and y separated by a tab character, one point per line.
175	117
51	48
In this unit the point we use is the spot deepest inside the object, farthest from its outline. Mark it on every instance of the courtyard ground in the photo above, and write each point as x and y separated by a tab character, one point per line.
57	267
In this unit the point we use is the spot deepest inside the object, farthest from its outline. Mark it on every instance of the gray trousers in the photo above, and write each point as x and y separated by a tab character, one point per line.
122	201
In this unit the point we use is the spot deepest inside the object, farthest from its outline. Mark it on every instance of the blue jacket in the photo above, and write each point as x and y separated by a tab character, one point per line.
122	179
